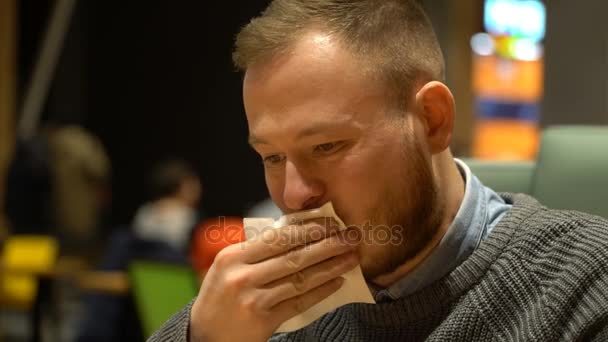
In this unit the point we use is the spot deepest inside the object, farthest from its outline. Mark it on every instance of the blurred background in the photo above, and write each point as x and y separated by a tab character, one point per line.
123	138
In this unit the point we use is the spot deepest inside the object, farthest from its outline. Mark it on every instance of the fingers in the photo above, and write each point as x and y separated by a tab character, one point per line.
261	283
296	305
300	258
272	242
301	282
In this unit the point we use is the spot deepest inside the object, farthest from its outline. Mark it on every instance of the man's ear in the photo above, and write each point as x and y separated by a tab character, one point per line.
435	106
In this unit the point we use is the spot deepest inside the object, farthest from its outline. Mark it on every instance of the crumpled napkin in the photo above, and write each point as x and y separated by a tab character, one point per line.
353	290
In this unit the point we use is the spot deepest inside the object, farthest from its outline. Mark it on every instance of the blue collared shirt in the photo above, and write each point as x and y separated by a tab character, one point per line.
479	212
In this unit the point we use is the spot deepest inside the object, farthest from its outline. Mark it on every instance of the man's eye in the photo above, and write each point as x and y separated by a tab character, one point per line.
273	160
327	147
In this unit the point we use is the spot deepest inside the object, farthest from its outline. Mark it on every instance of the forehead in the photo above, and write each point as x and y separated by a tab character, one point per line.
315	59
316	76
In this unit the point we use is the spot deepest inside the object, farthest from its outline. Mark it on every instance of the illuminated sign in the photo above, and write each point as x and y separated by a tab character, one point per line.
515	18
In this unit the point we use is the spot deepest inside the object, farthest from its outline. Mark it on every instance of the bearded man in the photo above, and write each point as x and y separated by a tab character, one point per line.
345	104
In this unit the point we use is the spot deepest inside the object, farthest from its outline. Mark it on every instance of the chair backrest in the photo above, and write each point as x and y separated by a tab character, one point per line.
159	291
572	169
504	176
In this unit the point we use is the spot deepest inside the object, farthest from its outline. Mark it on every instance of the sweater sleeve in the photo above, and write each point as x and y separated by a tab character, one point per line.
176	328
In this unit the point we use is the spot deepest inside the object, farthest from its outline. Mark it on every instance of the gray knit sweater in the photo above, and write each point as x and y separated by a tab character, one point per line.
541	275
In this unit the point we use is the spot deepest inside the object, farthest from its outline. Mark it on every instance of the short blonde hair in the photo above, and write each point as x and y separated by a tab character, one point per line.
393	37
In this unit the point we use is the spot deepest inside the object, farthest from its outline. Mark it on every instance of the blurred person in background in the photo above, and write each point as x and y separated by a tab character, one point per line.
80	169
59	184
171	212
160	232
29	188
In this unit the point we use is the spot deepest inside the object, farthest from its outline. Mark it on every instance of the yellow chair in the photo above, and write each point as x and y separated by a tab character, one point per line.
24	258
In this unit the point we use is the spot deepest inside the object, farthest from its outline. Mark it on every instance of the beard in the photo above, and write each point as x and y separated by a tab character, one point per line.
406	215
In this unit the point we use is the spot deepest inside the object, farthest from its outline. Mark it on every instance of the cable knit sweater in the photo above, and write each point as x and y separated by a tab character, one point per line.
541	275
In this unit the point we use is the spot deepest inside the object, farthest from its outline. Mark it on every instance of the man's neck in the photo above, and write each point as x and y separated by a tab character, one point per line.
451	186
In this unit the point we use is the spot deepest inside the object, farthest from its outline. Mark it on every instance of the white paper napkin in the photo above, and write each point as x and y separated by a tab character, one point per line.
353	290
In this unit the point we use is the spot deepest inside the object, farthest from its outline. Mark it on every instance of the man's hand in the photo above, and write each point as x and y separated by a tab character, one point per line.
255	286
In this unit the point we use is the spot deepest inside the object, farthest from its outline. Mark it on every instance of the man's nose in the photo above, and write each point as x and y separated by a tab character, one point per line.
301	191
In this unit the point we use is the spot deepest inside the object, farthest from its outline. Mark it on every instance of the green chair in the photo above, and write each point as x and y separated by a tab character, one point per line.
160	290
572	169
504	176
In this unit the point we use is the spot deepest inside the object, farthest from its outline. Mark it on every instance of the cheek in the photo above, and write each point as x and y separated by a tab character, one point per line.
373	167
368	173
355	185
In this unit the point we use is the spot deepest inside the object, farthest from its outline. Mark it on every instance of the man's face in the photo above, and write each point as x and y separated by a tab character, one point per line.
326	132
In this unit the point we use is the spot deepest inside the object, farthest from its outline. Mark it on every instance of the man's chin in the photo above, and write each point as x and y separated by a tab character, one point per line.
383	281
372	271
395	267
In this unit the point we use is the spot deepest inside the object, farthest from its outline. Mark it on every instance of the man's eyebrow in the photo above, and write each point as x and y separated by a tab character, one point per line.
321	128
318	128
253	140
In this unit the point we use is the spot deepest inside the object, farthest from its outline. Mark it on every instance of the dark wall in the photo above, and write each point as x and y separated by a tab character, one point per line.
155	80
576	63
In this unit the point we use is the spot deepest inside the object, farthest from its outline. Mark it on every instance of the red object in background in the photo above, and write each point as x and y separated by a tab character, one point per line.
213	235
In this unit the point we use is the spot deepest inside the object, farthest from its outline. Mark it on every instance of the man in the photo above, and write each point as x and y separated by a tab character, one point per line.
170	213
345	103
